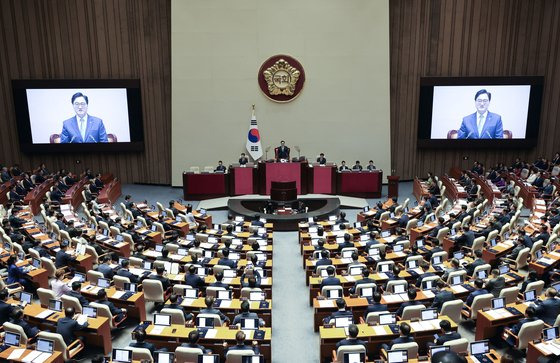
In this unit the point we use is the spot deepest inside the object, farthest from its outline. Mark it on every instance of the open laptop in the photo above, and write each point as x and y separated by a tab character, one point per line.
208	358
103	283
162	319
481	274
12	339
366	292
224	295
429	314
504	269
385	319
479	348
122	355
204	322
385	234
457	280
25	298
397	356
89	311
427	285
252	359
550	333
333	294
398	248
191	293
55	305
355	270
438	348
411	264
257	296
131	287
354	357
530	295
45	345
343	322
498	303
35	262
399	289
250	324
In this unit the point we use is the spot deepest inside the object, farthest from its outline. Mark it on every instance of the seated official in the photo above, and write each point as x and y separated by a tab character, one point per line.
412	294
220	168
105	268
282	152
116	312
479	290
352	338
140	337
477	262
425	273
63	258
404	337
531	277
192	279
346	243
243	159
440	225
343	166
173	304
17	318
520	244
340	313
324	261
209	302
193	342
16	274
165	283
252	281
219	276
246	314
341	218
466	239
321	159
330	280
376	306
5	308
225	261
496	283
364	280
67	326
446	333
530	316
455	266
357	166
124	271
240	344
371	166
549	309
76	287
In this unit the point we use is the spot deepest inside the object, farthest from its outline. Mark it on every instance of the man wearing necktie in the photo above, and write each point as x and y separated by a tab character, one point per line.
82	128
482	124
282	152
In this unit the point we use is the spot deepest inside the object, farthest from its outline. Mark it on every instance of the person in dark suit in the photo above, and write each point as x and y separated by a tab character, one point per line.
67	326
193	342
347	242
82	128
257	221
324	261
331	279
543	235
446	333
105	269
165	283
364	280
403	219
412	294
5	175
520	244
283	152
243	159
376	305
554	218
173	304
63	258
549	309
240	344
477	262
425	267
357	166
442	296
220	168
466	239
530	315
124	271
321	159
5	308
209	302
17	318
478	283
116	312
60	223
192	279
343	166
531	277
371	166
341	218
527	241
462	214
76	286
482	124
340	313
140	337
219	276
352	338
496	283
225	261
404	337
440	225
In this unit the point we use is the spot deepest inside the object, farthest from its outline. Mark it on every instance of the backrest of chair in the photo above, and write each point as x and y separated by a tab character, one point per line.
332	288
153	290
220	268
392	283
141	354
14	328
120	281
71	302
442	233
246	291
456	273
160	207
478	243
360	287
529	332
491	236
48	265
142	220
390	263
412	349
537	286
213	291
536	247
114	231
159	227
92	252
452	309
552	239
353	249
522	258
93	276
172	247
466	221
485	267
384	216
412	223
135	261
442	254
177	316
184	354
345	349
216	317
170	213
457	345
428	218
104	225
103	311
480	302
510	294
59	344
412	312
373	317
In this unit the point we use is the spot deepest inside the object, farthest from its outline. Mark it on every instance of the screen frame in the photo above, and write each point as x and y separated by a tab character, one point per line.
425	109
135	119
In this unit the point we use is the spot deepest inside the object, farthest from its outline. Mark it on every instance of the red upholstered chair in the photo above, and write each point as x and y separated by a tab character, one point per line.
452	134
111	137
508	134
55	139
275	153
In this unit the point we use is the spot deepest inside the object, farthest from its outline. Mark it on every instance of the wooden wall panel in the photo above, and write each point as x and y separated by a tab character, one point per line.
469	38
83	39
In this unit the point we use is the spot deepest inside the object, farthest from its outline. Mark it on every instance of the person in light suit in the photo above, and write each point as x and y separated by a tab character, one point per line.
482	124
82	128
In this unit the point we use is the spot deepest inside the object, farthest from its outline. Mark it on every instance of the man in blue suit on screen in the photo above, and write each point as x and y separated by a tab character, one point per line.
482	124
82	128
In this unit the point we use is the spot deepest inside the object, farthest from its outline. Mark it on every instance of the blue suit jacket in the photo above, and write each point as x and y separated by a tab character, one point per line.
492	129
95	131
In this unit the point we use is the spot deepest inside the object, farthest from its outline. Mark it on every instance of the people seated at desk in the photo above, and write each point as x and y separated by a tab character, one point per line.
364	280
5	308
105	268
173	304
209	302
58	285
68	326
193	342
220	168
243	159
530	315
376	305
330	280
17	318
455	266
346	243
321	159
425	273
219	276
447	334
352	338
192	279
63	258
343	166
477	262
116	312
282	151
246	314
496	283
412	293
140	341
253	281
531	277
324	260
442	296
240	344
466	239
76	292
404	337
357	166
226	261
125	272
519	245
340	313
371	166
548	309
479	290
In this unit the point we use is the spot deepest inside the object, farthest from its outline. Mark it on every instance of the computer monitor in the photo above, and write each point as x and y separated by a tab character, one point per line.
498	303
398	248
420	243
154	228
343	322
354	357
257	296
182	252
122	355
208	254
208	358
397	356
530	295
45	345
420	224
482	274
398	289
249	324
538	254
103	283
387	319
55	305
429	314
366	292
366	208
204	322
105	232
385	267
457	280
121	259
411	264
35	262
358	225
347	253
164	357
493	242
438	348
385	234
147	265
355	270
479	347
159	248
120	238
252	359
130	286
373	251
504	269
458	255
191	293
224	294
162	319
333	294
25	297
427	284
12	339
201	271
550	333
556	286
436	260
89	311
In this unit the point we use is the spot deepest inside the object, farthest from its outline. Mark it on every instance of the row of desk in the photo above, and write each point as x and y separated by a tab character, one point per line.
257	179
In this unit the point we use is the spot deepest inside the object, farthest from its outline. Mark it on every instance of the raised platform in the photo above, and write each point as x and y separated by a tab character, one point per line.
319	208
222	203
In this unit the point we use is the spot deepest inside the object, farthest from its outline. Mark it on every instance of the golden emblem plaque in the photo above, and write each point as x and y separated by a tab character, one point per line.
281	78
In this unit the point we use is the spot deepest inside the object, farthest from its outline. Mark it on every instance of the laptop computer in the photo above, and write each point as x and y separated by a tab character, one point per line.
45	345
208	358
399	289
224	295
333	294
162	319
427	285
385	319
35	262
257	296
398	248
457	280
498	303
354	357
12	339
89	311
130	286
122	355
550	333
438	348
504	269
479	348
252	359
397	356
164	357
482	274
411	264
191	293
55	305
343	322
147	265
204	322
103	283
25	298
250	324
385	234
366	292
429	314
530	295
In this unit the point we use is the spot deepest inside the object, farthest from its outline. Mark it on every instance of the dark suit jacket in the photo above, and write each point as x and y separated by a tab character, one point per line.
494	286
548	310
66	327
405	304
492	129
283	152
146	345
63	259
330	281
125	273
351	341
227	262
114	310
95	131
375	307
442	297
165	283
80	297
421	277
29	329
194	281
474	294
447	337
5	311
106	270
471	266
466	239
401	340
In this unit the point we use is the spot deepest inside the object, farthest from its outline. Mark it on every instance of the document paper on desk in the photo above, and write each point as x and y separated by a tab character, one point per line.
187	301
44	314
499	313
16	353
392	298
326	303
118	294
34	354
211	333
549	348
157	329
416	326
42	357
380	330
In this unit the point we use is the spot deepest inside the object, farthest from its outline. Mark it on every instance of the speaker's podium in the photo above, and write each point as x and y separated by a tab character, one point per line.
281	191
